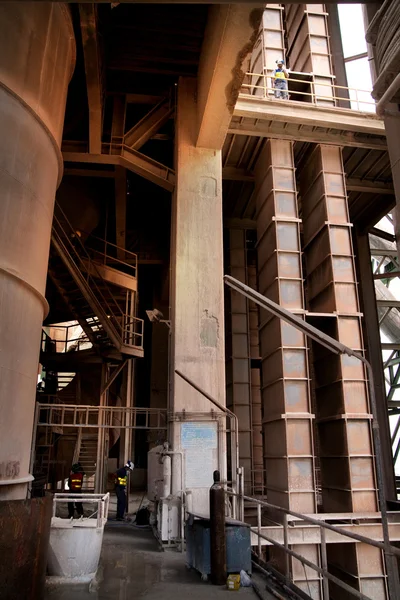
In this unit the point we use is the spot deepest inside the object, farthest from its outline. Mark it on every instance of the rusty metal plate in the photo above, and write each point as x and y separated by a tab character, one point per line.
24	539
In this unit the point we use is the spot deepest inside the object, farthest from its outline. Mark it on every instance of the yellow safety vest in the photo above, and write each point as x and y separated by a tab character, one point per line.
279	74
121	481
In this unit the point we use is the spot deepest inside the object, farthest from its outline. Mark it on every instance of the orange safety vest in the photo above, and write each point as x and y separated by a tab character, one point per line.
76	481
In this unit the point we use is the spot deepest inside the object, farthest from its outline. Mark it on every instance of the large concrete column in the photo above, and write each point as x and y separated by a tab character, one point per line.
197	309
37	54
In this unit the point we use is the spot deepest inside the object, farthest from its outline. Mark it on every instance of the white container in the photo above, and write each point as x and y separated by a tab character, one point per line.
75	545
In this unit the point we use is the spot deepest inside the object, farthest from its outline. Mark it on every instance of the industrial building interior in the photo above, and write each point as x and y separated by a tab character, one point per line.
293	197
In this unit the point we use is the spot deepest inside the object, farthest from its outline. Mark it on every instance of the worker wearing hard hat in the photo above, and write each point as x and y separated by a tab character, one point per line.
279	80
121	482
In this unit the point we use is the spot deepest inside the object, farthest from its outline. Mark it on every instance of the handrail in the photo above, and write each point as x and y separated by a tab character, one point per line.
66	341
314	95
113	320
323	526
99	417
107	258
102	501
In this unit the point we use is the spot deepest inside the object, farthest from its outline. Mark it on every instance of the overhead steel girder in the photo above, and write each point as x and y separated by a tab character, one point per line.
133	161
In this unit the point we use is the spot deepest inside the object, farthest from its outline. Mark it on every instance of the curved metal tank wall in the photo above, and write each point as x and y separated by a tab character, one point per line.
37	56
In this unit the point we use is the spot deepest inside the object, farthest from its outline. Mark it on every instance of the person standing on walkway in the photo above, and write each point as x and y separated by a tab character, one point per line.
75	482
279	80
121	481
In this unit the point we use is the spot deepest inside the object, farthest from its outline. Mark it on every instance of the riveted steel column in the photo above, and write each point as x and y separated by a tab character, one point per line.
238	381
343	414
256	410
309	50
269	47
287	418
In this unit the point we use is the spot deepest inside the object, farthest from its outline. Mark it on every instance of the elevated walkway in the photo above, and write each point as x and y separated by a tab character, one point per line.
315	111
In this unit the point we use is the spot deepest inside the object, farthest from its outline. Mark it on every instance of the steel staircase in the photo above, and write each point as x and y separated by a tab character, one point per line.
107	318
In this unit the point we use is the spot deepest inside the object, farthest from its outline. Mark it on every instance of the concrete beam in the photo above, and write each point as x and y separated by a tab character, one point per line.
91	52
309	115
229	38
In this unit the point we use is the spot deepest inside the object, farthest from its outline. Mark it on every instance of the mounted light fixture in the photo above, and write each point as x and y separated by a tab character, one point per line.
156	316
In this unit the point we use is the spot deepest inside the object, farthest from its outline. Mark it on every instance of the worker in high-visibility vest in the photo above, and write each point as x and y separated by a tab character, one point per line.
279	80
75	482
121	482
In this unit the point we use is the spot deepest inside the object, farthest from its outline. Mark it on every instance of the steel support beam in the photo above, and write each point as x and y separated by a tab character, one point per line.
348	479
133	161
144	130
238	376
93	70
286	399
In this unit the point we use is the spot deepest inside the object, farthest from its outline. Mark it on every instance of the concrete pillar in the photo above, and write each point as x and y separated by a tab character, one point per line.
37	53
197	301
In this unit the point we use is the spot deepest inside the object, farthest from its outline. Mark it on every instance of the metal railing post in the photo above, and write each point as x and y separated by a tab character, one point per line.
286	544
324	563
259	528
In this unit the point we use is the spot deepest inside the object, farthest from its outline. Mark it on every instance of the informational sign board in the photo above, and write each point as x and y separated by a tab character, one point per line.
199	440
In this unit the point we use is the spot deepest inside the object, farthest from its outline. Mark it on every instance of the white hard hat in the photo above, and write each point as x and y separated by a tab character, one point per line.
130	465
280	62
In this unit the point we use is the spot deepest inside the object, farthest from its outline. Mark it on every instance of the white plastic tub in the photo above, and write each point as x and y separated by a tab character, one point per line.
75	545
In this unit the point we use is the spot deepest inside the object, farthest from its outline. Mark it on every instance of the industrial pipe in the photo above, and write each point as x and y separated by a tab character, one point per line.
387	96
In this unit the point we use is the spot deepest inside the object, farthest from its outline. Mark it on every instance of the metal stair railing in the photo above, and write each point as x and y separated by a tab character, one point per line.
121	329
66	342
99	417
260	533
110	255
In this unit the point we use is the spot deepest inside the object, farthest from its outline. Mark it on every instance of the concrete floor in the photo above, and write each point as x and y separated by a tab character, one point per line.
132	566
